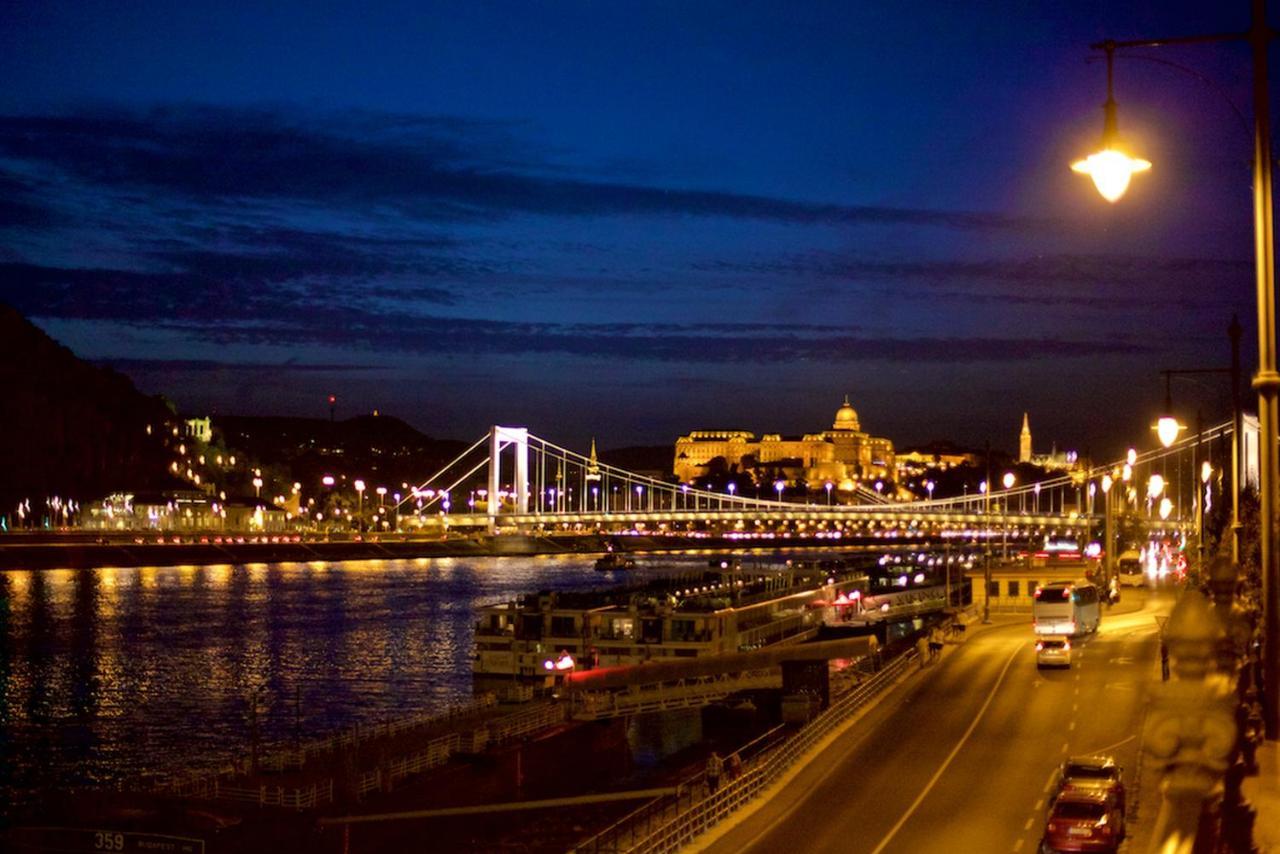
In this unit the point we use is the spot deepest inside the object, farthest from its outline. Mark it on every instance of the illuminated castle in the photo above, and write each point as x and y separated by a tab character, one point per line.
842	455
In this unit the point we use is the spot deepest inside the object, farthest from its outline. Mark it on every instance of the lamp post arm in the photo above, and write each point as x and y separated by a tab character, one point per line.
1207	38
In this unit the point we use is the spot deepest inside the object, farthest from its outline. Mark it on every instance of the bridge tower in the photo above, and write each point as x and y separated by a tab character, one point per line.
1024	443
592	479
500	438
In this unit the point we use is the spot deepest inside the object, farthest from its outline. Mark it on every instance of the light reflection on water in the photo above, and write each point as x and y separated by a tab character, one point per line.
109	674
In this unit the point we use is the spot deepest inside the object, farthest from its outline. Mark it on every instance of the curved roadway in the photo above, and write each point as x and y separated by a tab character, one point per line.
961	760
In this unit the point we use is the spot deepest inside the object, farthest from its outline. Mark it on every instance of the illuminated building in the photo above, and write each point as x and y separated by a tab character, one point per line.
841	455
1055	460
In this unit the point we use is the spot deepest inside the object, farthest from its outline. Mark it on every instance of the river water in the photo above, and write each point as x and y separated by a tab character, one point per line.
113	674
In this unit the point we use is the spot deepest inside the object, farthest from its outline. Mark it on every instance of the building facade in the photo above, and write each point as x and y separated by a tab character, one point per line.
842	455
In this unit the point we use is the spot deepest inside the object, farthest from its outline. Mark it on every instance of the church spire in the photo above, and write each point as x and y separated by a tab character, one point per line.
593	465
1024	443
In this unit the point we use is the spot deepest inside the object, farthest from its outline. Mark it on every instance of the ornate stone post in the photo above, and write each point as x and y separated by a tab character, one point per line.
1191	731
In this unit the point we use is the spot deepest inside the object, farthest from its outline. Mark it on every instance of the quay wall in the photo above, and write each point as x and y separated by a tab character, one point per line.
27	552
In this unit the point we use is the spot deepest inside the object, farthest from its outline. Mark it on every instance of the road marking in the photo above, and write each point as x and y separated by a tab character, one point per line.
893	831
1017	846
1111	747
1064	747
1075	707
1039	804
1071	726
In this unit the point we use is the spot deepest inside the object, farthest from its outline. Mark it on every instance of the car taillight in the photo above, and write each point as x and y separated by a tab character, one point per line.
1066	645
1053	827
1039	646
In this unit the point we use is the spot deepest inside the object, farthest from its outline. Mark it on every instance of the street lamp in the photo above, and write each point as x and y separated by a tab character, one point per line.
778	486
257	487
359	485
1108	559
1167	427
1267	379
1008	480
1110	167
928	485
828	487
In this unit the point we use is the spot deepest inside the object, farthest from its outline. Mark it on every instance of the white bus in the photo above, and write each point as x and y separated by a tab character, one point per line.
1066	608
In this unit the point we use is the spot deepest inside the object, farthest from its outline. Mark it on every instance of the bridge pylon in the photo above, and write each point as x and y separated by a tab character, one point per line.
500	438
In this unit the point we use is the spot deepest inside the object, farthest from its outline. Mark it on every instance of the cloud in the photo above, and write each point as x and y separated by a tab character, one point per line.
440	168
204	365
1087	280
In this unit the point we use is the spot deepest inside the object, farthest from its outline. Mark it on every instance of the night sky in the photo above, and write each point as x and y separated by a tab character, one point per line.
630	220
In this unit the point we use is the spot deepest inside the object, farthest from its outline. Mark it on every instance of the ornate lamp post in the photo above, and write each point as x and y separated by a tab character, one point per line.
1111	169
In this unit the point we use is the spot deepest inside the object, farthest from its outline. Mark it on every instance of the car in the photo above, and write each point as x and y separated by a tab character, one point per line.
1053	651
1094	772
1129	570
1083	820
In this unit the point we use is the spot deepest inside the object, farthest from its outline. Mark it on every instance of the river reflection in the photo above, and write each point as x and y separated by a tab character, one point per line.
111	674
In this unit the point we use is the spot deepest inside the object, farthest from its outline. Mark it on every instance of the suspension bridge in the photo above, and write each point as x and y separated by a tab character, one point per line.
512	481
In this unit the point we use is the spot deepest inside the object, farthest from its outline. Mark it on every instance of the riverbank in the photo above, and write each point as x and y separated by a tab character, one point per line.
79	551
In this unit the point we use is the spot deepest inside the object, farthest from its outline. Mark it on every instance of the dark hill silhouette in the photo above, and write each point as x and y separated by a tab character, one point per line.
650	458
380	447
70	428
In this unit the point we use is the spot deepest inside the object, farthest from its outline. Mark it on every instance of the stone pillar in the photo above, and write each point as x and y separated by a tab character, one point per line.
1191	730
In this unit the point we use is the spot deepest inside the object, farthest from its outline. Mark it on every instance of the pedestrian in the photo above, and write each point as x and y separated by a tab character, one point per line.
715	767
935	642
922	650
733	765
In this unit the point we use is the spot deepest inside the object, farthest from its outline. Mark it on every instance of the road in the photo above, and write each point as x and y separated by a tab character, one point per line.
960	760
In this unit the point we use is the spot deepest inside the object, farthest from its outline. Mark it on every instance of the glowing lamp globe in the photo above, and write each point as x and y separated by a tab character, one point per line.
1167	429
1111	170
1155	486
1206	471
1008	480
1166	507
1131	458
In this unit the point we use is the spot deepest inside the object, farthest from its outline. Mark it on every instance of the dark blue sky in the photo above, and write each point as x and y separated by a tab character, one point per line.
630	220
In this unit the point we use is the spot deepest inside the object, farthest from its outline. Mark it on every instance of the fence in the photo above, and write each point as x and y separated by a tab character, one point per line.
667	824
201	784
384	776
287	759
530	720
297	797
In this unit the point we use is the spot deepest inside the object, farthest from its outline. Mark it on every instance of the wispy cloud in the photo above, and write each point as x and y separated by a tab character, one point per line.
440	168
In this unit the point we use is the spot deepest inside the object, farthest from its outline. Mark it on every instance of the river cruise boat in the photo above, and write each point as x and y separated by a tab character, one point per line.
704	613
613	562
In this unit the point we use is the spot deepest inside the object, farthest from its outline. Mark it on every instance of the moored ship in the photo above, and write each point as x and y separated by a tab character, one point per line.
710	613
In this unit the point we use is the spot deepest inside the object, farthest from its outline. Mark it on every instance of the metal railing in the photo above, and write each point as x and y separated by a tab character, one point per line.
198	784
527	721
292	797
384	776
666	824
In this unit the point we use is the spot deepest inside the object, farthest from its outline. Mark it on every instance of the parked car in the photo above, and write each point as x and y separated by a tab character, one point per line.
1083	820
1092	773
1053	651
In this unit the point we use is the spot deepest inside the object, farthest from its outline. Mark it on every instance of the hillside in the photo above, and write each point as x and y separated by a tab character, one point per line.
69	428
378	447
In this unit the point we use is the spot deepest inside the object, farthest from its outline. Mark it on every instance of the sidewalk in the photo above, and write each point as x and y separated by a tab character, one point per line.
1263	791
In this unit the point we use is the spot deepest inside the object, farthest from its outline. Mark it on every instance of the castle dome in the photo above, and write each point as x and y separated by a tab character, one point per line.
846	417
